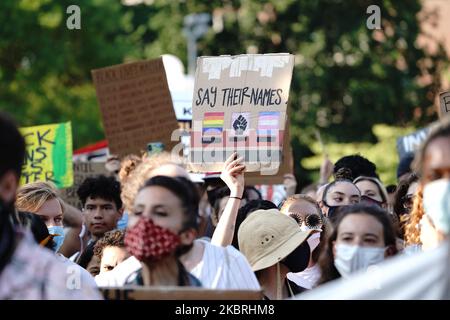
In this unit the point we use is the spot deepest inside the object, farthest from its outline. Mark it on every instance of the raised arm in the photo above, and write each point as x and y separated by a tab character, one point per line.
233	175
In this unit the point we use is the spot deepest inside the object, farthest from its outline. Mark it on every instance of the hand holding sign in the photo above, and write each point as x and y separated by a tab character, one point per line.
233	175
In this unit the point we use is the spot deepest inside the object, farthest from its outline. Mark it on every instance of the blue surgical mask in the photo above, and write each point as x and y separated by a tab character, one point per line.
58	239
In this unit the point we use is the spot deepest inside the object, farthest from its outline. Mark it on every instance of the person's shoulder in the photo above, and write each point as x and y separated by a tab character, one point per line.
45	275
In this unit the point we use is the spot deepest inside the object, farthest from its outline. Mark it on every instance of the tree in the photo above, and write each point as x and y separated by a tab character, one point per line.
45	67
347	78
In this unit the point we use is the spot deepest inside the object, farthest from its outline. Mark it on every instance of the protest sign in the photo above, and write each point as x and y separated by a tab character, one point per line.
286	166
410	143
48	155
136	106
81	171
444	101
240	105
177	293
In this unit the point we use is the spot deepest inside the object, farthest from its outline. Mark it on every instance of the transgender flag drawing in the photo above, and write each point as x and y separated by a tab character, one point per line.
213	123
268	126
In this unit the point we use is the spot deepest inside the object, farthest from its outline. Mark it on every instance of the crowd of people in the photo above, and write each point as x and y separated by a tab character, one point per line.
151	223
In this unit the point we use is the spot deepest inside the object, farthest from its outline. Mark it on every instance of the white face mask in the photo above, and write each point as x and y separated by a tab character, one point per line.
314	241
349	259
436	201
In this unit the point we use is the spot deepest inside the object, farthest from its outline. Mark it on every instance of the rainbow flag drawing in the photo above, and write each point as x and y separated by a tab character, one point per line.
213	123
268	126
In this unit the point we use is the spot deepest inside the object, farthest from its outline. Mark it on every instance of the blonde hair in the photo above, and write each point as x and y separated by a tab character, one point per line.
136	178
32	196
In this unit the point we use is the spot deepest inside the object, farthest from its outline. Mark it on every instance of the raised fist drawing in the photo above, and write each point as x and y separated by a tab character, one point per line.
240	124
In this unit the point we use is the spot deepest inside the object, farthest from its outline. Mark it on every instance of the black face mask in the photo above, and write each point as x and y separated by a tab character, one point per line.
298	260
332	211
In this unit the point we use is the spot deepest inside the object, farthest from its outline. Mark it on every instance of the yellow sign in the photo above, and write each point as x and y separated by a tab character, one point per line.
48	154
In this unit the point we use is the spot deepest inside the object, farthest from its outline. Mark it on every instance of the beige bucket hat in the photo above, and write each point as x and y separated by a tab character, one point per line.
268	236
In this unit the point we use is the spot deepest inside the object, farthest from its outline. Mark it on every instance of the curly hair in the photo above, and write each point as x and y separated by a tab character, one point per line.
113	238
127	165
410	222
438	130
359	166
107	188
142	172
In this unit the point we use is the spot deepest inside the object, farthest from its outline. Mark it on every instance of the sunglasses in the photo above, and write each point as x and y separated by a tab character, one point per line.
312	221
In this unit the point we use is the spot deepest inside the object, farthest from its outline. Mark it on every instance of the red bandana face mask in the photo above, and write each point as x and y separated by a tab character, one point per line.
149	242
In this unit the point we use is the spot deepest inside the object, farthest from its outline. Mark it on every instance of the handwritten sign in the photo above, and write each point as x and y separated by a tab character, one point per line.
286	166
136	106
444	101
410	143
177	293
48	154
81	171
240	105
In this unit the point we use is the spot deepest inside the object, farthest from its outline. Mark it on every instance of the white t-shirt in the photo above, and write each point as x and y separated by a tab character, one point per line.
307	278
224	268
220	268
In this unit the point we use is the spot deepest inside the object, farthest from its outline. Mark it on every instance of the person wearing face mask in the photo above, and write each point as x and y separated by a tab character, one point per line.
363	236
433	165
27	270
41	198
423	275
308	215
340	192
372	191
159	231
274	245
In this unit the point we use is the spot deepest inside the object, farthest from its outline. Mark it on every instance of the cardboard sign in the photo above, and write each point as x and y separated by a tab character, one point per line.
48	154
240	105
444	101
287	166
81	171
136	106
409	144
177	293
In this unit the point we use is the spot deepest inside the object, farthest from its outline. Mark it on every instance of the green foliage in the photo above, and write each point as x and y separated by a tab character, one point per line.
347	79
383	153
